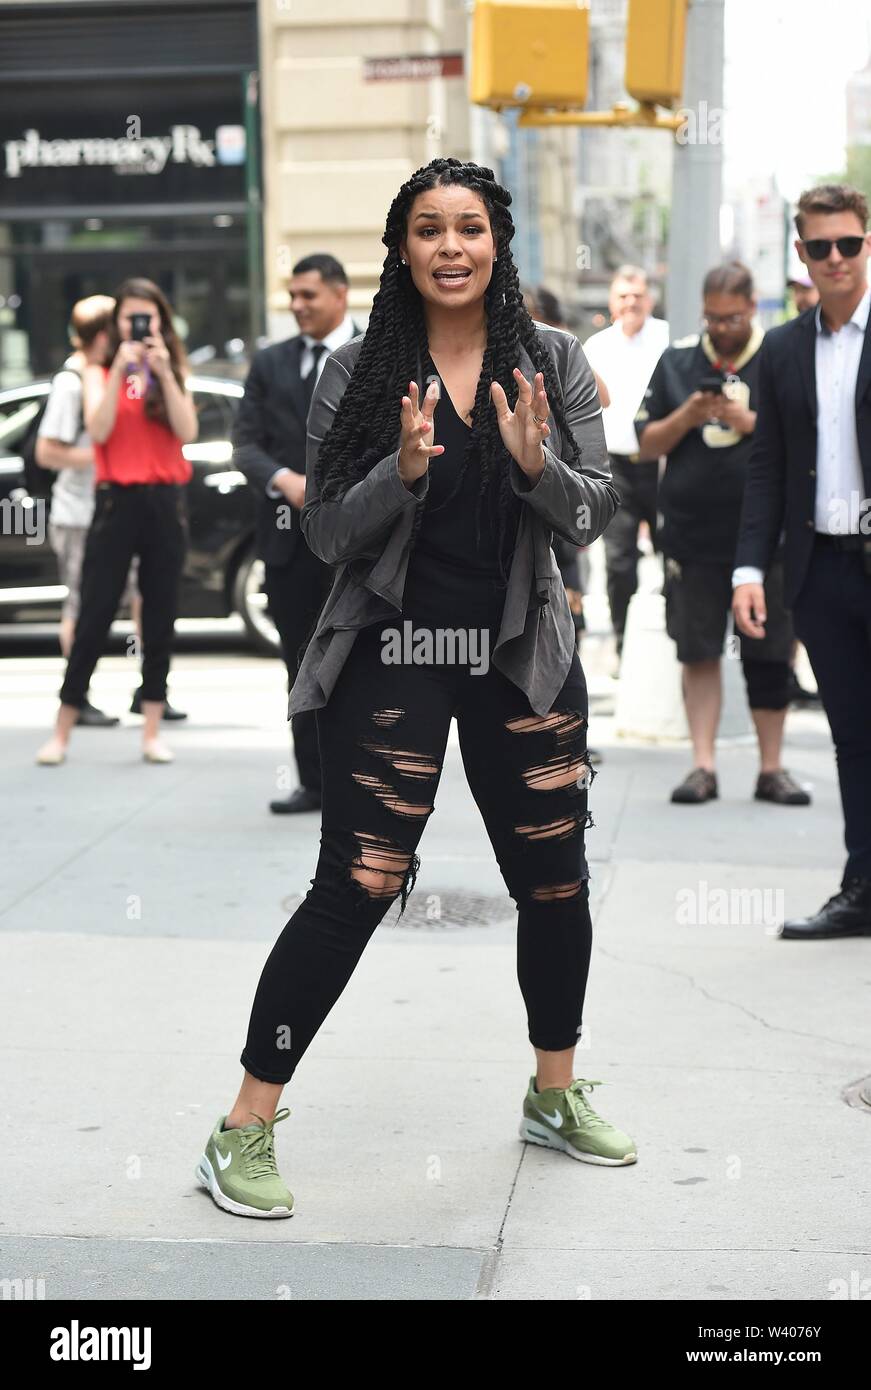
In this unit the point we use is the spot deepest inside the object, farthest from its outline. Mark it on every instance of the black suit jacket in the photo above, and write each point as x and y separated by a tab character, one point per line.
781	483
269	433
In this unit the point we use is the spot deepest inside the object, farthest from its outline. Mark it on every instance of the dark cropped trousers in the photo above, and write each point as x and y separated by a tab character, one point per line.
144	519
382	737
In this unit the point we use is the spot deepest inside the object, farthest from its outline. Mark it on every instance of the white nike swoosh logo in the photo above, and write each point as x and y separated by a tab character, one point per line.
555	1119
222	1161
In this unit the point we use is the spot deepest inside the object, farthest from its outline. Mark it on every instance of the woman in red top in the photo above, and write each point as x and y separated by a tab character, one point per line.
138	413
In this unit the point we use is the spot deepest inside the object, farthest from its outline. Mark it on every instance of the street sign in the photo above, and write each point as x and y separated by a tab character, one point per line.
413	67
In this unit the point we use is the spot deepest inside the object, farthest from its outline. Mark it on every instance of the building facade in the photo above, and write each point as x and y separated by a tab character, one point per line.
211	144
355	98
123	134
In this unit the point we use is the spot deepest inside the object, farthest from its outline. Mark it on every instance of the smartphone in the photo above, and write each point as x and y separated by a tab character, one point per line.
711	383
139	326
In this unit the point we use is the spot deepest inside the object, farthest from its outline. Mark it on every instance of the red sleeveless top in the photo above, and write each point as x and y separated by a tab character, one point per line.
139	450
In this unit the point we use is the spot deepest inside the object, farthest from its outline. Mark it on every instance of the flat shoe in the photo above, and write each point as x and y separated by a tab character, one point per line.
303	799
700	785
158	755
781	788
50	757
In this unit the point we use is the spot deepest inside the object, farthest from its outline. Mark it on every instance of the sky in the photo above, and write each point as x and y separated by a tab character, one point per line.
787	63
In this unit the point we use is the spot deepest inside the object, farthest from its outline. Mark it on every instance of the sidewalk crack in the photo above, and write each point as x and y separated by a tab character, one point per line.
490	1265
732	1003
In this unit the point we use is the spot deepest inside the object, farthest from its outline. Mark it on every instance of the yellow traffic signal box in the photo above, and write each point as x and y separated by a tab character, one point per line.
655	37
530	53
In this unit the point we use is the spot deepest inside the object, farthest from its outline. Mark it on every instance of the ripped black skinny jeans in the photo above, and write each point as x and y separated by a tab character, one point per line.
382	738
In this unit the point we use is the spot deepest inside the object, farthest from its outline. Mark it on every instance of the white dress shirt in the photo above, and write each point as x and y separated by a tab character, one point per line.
339	336
839	485
626	365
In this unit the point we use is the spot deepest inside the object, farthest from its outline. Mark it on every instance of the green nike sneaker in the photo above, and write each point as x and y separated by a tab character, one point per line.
238	1168
566	1120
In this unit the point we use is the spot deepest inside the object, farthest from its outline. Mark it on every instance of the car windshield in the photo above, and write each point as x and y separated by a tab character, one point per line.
13	427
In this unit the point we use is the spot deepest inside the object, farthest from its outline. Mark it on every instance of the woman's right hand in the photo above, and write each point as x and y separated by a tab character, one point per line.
417	427
129	357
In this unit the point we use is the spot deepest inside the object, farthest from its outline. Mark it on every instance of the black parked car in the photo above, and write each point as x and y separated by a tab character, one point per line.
222	574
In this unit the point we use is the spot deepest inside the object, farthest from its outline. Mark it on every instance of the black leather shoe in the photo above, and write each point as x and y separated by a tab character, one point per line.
848	913
169	714
94	718
303	799
803	699
781	788
699	785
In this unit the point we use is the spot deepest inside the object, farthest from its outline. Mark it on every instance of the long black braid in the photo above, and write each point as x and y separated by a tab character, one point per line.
366	424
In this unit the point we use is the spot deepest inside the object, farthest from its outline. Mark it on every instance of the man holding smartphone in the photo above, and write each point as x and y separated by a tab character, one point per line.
698	411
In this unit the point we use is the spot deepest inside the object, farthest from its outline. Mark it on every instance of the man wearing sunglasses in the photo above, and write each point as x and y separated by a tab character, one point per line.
699	410
810	471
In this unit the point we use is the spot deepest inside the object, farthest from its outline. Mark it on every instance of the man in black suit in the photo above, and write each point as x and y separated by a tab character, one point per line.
810	471
269	448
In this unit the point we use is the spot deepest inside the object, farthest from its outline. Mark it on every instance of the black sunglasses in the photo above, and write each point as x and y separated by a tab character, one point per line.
820	248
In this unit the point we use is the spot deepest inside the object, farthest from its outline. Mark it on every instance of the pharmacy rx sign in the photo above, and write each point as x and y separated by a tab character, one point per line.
131	153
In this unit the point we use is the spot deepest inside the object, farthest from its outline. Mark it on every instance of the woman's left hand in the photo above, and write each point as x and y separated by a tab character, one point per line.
524	428
157	357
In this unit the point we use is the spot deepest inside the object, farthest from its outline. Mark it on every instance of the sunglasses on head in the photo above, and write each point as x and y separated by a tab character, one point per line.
820	248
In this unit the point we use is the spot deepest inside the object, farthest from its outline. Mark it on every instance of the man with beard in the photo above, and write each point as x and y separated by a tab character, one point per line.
698	411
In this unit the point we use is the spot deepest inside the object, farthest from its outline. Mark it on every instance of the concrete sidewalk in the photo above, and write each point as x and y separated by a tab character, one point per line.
138	905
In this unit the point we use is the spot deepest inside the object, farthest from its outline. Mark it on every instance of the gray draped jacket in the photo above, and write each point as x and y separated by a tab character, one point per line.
366	532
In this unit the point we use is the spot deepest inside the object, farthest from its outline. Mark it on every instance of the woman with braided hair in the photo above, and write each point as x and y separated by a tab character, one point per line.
436	504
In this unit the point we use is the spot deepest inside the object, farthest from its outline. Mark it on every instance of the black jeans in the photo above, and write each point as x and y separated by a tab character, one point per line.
144	519
637	485
297	592
383	735
832	616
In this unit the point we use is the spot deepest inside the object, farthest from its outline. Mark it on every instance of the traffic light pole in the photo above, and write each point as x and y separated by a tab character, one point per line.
697	172
621	113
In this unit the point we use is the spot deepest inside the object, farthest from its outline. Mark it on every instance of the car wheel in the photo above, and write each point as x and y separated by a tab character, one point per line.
249	601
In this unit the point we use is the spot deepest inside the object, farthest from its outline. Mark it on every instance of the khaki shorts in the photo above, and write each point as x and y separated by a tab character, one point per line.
68	544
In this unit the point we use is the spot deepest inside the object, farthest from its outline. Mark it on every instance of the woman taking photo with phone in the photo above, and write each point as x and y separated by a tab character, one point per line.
449	538
138	414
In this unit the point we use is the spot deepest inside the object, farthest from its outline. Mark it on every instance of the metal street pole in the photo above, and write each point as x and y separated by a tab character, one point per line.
697	177
254	215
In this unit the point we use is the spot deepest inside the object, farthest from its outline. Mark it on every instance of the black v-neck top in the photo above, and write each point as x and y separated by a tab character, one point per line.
452	579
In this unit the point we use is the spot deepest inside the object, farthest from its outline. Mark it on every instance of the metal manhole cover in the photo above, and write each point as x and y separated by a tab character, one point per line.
440	911
859	1094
